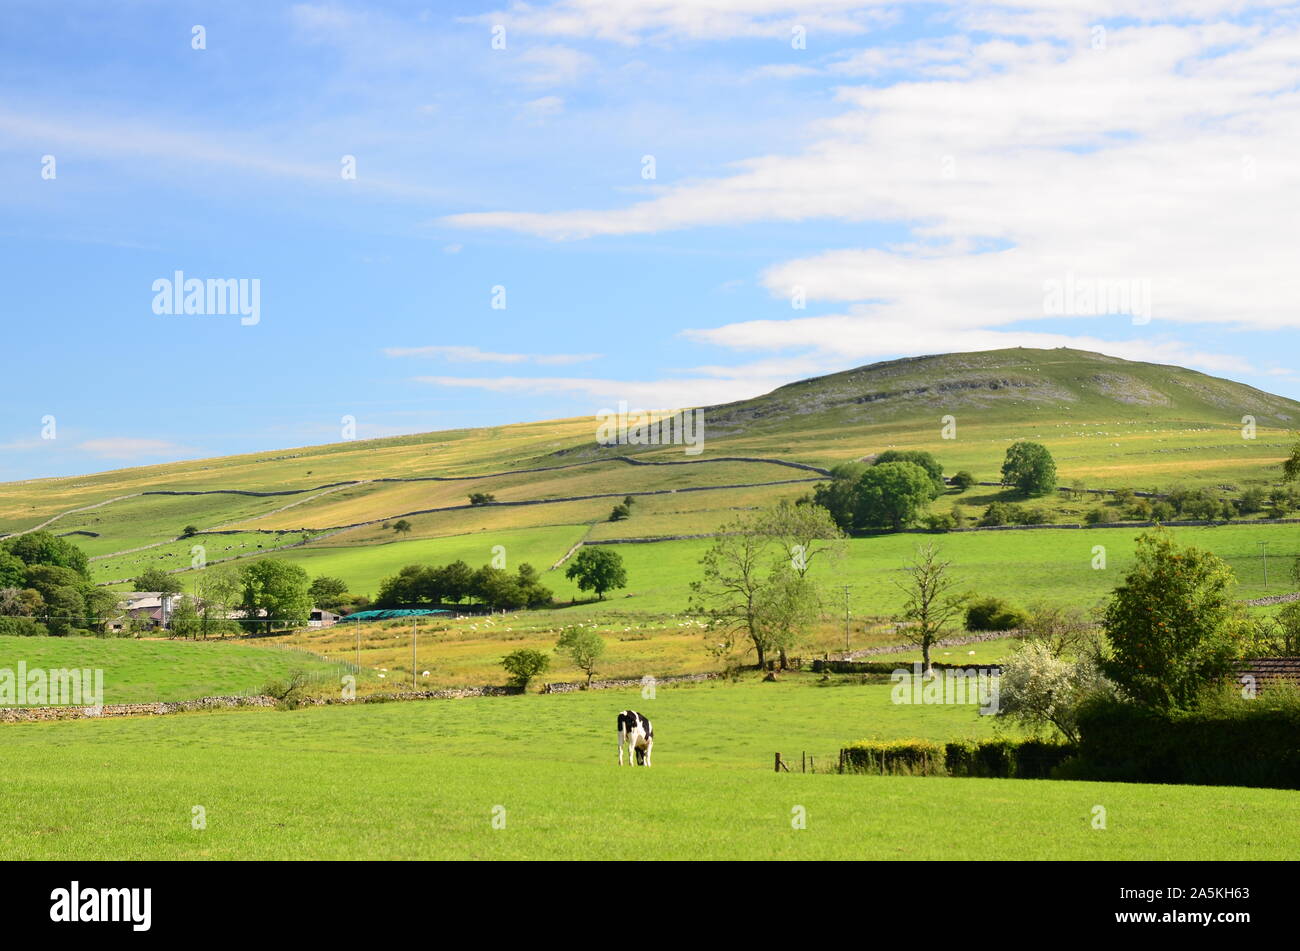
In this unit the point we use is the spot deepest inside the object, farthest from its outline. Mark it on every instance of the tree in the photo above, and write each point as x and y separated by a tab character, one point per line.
1030	468
1173	626
523	665
156	579
481	498
735	571
891	495
839	496
1044	690
185	620
584	647
786	606
45	548
963	480
277	589
930	604
101	607
218	590
619	512
13	570
402	527
1291	468
802	531
328	593
65	610
923	459
455	580
598	569
189	530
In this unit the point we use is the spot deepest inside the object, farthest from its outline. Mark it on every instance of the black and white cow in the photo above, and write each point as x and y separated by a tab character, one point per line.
635	731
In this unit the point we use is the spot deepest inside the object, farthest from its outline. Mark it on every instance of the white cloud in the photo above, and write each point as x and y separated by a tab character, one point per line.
127	447
543	108
1164	157
460	354
631	21
642	394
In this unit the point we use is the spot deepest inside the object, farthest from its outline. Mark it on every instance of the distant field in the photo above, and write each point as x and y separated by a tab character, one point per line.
149	670
425	780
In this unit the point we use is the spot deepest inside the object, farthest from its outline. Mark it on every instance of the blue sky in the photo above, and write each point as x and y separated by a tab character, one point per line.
916	175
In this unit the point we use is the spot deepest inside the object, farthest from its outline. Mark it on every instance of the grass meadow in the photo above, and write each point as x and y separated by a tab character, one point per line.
427	779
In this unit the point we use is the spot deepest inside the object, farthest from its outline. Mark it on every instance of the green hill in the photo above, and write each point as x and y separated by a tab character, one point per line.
1109	423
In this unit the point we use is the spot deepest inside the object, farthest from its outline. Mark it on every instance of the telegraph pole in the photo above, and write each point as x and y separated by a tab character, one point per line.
414	638
846	616
1263	547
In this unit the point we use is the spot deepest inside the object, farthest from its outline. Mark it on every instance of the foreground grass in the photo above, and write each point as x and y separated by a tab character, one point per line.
424	780
146	671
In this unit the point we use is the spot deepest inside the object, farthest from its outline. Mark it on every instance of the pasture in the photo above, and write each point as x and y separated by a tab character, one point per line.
426	780
151	670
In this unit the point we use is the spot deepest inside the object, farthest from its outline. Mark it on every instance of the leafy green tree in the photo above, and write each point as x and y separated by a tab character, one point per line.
328	593
46	579
1030	468
156	579
931	604
597	568
584	646
786	606
892	495
455	580
735	570
101	608
1291	467
219	590
65	610
523	665
45	548
619	512
1173	626
189	530
923	459
481	498
402	527
13	570
276	588
185	620
963	480
839	495
803	532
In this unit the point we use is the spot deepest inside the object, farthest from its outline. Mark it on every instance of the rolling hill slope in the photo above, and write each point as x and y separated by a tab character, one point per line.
1110	423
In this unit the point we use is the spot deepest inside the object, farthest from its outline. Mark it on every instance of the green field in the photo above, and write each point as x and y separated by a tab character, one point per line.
422	780
146	671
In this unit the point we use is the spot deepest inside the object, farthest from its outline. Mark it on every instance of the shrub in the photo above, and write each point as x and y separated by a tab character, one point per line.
523	665
22	627
990	759
993	614
1227	741
287	693
963	480
896	757
1044	692
1096	516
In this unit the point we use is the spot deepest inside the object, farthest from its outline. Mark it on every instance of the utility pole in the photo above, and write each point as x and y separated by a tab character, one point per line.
414	638
1263	547
846	616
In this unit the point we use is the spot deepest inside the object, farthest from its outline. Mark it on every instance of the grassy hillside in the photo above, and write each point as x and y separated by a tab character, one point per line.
1109	423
